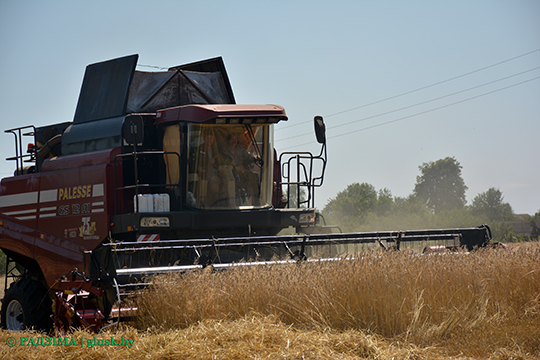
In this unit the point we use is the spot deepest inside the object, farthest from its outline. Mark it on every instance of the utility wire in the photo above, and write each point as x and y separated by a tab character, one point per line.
417	104
415	90
422	112
154	67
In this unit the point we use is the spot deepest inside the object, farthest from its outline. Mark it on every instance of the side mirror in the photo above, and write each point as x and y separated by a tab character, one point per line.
133	130
320	129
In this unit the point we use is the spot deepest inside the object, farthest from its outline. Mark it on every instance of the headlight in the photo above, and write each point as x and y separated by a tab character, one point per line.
307	218
155	222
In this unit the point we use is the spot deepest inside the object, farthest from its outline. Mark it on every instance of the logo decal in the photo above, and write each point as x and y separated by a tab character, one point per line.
88	228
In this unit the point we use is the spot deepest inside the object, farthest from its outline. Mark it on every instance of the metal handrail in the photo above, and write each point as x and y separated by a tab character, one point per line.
137	185
19	156
310	181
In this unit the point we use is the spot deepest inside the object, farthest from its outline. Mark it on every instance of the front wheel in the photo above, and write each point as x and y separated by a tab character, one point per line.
26	305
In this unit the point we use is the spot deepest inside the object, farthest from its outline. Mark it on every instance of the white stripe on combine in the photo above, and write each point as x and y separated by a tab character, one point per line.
19	199
97	190
19	212
48	195
46	215
25	217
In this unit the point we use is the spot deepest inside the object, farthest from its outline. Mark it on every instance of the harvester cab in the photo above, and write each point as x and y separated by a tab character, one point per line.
157	172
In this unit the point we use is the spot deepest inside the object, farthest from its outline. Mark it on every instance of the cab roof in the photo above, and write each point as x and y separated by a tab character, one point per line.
222	114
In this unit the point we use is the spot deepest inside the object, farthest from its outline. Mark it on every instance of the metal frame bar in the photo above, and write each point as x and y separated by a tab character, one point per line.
313	239
310	182
137	185
19	156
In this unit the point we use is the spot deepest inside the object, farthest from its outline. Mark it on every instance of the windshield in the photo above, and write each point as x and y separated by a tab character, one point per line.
229	166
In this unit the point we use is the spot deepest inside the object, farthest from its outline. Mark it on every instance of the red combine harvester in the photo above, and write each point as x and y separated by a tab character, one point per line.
157	172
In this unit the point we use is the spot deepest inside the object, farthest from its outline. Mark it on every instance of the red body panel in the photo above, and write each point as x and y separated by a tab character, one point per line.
19	198
55	256
54	215
16	237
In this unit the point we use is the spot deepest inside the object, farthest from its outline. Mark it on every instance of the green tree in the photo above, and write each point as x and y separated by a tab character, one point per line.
293	196
490	204
385	201
356	200
441	185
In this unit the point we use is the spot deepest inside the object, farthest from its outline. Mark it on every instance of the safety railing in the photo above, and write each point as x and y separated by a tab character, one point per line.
137	186
20	158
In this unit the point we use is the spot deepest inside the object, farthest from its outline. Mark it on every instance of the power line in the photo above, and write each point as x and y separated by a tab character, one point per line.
153	67
418	89
417	104
422	112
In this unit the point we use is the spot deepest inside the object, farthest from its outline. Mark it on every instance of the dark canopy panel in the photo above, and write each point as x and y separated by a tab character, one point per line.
202	82
152	91
105	89
214	65
113	89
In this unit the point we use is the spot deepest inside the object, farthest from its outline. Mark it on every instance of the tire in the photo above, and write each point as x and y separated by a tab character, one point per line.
26	305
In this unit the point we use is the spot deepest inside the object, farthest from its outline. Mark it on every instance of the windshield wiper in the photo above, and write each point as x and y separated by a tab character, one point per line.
259	160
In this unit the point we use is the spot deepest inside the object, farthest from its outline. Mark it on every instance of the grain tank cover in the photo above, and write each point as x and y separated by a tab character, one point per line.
104	90
113	89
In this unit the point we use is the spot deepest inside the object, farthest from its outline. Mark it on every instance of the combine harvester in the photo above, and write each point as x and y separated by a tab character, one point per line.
157	172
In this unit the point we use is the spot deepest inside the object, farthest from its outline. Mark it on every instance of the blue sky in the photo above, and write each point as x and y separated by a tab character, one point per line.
316	58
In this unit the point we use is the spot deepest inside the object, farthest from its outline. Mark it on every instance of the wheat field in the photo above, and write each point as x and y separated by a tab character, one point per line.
391	305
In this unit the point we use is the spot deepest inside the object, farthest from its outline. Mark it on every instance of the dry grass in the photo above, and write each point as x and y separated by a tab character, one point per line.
484	305
251	337
2	282
474	304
